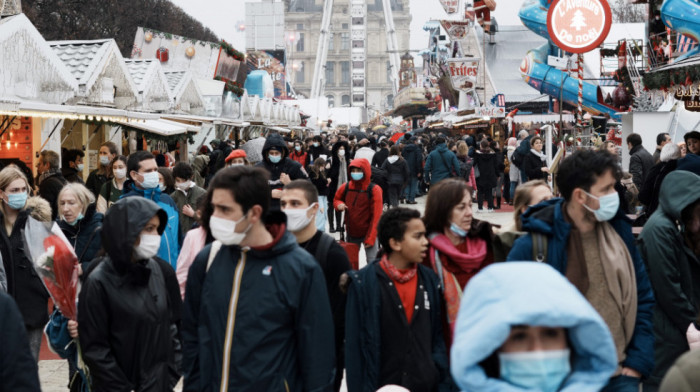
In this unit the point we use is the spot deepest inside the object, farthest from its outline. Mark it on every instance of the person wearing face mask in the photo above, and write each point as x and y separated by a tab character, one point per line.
186	196
398	173
460	246
282	169
300	202
538	335
670	247
72	165
80	222
338	174
166	181
587	237
99	176
299	153
143	182
255	296
129	306
22	282
111	190
317	149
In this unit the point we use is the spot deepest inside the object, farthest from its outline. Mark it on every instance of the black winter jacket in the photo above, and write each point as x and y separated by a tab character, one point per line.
414	158
487	163
85	236
128	311
49	189
275	300
335	165
286	165
532	166
641	163
397	172
18	370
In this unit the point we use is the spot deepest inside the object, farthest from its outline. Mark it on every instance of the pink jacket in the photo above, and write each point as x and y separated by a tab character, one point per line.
195	240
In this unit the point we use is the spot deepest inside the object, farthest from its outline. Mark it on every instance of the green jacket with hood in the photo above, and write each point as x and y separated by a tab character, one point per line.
674	271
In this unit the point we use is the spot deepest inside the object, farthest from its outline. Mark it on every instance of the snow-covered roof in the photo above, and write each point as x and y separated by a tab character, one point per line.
184	91
96	61
29	69
151	84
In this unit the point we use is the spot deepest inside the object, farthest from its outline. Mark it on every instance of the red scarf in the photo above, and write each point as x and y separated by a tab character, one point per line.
445	253
398	275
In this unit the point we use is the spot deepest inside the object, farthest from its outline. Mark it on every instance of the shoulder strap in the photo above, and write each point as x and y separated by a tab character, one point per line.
324	245
109	191
539	247
369	189
87	245
215	247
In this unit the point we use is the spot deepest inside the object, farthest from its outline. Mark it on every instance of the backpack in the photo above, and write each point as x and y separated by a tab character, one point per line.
465	168
517	157
368	190
379	176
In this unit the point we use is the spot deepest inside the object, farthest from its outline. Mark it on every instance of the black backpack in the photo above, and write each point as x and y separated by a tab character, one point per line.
465	168
516	158
379	176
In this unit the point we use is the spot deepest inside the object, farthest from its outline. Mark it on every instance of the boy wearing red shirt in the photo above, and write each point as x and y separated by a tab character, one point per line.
393	330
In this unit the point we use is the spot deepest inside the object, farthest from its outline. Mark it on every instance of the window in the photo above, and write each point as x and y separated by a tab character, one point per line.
358	43
345	100
358	98
358	65
344	73
358	21
388	71
358	83
300	43
300	26
331	41
390	100
330	74
299	77
344	26
344	41
331	101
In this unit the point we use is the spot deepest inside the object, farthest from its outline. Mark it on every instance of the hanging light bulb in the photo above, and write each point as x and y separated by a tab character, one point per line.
8	145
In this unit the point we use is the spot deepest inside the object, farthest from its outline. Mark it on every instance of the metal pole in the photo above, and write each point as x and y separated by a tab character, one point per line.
51	134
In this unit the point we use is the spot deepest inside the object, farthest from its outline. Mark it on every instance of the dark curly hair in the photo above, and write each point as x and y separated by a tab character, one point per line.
393	224
582	169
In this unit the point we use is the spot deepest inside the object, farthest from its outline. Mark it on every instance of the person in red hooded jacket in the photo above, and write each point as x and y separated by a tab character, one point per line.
362	201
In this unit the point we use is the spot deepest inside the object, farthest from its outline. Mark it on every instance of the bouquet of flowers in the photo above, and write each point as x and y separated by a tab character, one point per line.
56	264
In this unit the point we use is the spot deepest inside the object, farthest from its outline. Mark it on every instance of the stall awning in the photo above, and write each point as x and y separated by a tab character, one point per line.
77	112
159	127
542	118
205	119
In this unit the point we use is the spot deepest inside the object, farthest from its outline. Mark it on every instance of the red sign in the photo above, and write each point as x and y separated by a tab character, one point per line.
578	26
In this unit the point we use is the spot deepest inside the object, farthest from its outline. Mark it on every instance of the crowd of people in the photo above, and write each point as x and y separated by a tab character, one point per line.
568	296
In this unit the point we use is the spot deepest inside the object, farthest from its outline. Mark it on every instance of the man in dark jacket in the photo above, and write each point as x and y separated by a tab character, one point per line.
130	304
641	161
586	237
143	182
393	329
671	256
441	163
50	179
72	167
381	155
257	315
486	161
317	149
300	203
281	167
413	155
661	140
18	370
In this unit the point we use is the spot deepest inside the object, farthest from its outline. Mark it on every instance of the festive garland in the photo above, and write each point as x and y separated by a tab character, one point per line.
665	79
623	76
231	51
232	86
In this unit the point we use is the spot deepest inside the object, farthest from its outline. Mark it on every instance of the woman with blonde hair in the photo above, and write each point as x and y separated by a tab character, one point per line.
526	195
23	284
80	221
463	156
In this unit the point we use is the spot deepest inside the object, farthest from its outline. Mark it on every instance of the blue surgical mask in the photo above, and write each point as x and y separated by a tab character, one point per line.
536	370
80	216
16	201
298	148
150	180
458	231
80	167
608	206
275	158
315	144
357	176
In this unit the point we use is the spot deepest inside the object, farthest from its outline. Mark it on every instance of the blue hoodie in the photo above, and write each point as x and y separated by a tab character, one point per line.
170	240
536	295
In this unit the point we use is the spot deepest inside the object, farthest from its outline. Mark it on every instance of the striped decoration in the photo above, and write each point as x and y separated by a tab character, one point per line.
579	65
685	43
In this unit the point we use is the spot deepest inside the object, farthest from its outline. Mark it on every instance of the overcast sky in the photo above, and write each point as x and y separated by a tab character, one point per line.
222	16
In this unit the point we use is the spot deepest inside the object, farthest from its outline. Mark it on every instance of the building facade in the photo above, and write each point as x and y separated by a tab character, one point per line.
304	17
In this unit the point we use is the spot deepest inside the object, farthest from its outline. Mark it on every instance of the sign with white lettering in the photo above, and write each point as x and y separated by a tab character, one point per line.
491	111
463	73
579	26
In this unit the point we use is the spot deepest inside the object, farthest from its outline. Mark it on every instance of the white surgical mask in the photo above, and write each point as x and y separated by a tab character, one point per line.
393	158
298	219
341	153
120	173
162	187
148	247
104	160
150	180
80	167
224	230
183	186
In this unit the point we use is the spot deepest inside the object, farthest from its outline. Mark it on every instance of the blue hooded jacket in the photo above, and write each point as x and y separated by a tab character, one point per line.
548	218
441	163
170	240
534	294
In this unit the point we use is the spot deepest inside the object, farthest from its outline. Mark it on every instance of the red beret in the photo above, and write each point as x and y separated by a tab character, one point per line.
235	154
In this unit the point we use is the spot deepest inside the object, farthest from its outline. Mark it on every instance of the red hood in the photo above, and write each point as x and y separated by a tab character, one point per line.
363	164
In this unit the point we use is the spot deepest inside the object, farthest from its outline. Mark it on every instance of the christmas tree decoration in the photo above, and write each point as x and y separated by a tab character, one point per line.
148	37
189	52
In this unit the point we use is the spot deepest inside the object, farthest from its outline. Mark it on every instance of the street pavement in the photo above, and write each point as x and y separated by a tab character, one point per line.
53	372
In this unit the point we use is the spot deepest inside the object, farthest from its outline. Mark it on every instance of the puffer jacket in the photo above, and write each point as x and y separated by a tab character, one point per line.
170	240
286	165
537	295
363	212
414	158
128	310
548	218
283	335
674	270
441	163
397	172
